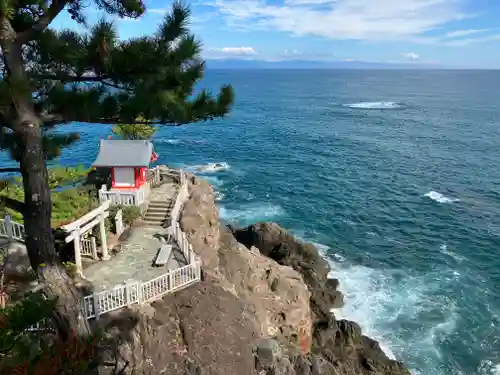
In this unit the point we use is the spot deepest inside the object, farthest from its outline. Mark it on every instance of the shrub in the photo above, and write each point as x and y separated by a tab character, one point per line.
130	214
24	351
69	202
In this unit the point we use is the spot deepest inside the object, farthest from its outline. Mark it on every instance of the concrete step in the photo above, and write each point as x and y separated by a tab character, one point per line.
158	210
153	222
155	216
160	204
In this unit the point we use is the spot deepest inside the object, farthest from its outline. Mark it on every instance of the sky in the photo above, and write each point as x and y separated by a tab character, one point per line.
453	33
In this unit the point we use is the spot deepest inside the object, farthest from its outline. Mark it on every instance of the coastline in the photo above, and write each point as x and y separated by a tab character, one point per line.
263	306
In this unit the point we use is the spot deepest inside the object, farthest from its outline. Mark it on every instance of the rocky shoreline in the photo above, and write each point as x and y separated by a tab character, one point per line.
263	307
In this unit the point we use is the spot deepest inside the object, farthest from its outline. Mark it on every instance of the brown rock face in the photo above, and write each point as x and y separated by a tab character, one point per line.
263	308
341	347
201	330
200	221
274	242
274	294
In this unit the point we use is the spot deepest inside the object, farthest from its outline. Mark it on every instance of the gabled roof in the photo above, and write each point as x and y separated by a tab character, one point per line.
124	153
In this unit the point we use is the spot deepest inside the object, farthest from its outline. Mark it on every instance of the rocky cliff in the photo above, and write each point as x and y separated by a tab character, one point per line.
263	307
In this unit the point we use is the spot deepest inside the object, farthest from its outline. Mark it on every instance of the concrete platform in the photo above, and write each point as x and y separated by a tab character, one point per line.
134	259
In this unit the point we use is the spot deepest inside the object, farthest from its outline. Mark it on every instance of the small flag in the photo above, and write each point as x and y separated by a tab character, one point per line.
154	157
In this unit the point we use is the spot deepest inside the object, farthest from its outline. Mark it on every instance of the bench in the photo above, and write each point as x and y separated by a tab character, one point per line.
163	255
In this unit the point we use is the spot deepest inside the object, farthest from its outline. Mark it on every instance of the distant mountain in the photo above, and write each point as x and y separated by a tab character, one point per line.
310	64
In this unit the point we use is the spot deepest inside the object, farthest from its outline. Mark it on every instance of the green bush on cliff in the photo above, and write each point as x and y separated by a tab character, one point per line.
71	197
24	350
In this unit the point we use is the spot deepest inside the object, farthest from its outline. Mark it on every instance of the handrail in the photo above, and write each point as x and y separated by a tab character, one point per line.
134	292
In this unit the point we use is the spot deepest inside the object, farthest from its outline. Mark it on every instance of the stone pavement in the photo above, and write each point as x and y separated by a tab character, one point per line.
134	260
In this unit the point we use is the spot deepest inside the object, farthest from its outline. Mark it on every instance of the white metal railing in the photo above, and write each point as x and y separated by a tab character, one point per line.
119	222
135	292
182	196
154	176
11	229
88	247
123	197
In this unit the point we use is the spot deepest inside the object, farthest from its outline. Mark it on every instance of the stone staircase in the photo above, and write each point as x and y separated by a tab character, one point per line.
158	213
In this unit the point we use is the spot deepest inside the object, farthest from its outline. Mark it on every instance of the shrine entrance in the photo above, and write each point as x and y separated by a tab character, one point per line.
78	232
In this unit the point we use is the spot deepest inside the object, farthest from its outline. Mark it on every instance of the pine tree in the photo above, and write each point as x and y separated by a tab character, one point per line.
135	131
54	77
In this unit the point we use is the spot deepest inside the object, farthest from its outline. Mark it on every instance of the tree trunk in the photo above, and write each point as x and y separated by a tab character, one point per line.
39	237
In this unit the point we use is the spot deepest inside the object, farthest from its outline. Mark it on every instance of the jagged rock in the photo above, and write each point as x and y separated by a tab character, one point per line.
200	221
341	343
263	308
276	294
268	353
274	242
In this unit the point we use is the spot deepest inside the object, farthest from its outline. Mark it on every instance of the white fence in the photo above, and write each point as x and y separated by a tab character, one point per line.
119	223
130	293
133	197
135	292
122	197
154	177
88	247
10	229
182	196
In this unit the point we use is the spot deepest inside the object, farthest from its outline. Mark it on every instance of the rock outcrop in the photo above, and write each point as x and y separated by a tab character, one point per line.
263	307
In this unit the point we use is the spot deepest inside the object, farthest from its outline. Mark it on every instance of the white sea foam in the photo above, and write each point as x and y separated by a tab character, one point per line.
211	167
219	196
375	105
250	213
214	181
440	198
170	141
489	368
444	250
377	299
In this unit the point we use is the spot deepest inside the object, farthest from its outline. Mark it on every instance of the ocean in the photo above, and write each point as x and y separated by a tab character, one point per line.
393	174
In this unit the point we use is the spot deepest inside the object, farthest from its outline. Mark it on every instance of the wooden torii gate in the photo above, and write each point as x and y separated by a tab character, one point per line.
84	224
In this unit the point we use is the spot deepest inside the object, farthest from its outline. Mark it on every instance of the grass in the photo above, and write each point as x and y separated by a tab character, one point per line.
71	196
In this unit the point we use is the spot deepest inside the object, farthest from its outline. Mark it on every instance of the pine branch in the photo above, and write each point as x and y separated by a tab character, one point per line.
12	203
9	170
55	8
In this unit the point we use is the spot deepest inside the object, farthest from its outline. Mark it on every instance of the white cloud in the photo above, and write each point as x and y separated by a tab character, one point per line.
294	52
225	52
460	33
468	41
238	50
161	11
343	19
411	56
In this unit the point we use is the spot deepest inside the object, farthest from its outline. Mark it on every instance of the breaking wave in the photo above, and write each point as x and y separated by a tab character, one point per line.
250	213
375	105
440	198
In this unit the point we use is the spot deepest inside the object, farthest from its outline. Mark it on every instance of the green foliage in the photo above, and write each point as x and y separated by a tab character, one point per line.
97	77
68	203
51	143
16	341
28	351
60	176
135	131
129	213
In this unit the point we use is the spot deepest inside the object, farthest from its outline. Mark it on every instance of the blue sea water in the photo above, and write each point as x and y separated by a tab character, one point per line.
394	174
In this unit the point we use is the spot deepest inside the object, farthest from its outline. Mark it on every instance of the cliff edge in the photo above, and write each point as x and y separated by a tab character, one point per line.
263	307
